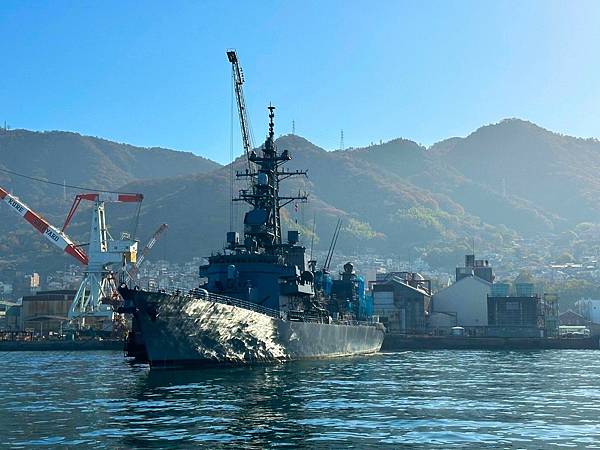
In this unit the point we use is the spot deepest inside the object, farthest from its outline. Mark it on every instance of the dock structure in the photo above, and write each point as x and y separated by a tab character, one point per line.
398	342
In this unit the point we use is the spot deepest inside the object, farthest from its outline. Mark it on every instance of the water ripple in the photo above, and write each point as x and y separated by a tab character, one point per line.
432	399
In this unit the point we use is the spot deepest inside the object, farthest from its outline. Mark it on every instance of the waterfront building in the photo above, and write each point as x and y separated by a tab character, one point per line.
551	315
573	319
402	301
465	302
12	318
46	310
520	315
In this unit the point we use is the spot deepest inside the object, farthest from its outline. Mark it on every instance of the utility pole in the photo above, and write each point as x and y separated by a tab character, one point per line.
342	140
293	127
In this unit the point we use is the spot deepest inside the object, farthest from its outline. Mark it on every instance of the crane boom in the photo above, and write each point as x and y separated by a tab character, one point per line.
136	267
50	232
238	81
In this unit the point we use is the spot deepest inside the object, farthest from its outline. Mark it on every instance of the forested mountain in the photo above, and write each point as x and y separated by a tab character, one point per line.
506	180
398	196
84	160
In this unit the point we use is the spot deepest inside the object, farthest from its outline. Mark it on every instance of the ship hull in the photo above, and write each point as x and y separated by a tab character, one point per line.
182	331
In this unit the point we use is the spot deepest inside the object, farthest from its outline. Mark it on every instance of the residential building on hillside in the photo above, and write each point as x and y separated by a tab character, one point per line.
26	284
5	289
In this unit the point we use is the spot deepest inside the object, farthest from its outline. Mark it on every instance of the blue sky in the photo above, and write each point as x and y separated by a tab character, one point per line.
155	73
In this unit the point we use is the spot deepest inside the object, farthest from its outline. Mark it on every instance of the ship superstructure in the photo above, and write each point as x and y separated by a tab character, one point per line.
260	267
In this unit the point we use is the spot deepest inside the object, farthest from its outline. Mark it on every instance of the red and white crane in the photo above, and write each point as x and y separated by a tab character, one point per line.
53	234
100	197
103	252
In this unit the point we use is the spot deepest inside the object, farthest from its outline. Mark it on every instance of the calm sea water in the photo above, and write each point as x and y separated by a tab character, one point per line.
429	399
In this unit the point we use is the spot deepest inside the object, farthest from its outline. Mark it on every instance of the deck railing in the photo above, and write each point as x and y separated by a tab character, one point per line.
226	300
223	299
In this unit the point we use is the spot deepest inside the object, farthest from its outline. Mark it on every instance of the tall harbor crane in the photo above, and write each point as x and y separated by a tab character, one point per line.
98	284
238	81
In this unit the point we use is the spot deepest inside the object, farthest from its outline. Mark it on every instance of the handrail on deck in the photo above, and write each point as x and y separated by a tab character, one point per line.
203	294
224	300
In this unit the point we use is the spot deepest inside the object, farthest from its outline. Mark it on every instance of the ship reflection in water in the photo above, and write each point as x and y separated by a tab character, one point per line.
443	399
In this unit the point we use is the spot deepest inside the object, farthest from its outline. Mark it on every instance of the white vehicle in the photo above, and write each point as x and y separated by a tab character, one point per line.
573	331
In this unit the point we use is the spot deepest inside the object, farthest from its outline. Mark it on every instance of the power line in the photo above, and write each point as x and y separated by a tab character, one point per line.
63	185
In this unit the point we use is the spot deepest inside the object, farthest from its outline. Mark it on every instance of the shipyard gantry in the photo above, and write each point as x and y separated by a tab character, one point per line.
105	257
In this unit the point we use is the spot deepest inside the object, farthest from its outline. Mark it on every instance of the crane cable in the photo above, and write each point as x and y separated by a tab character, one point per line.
136	219
40	180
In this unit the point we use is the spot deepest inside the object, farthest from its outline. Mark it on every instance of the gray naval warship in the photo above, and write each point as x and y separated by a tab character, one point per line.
264	301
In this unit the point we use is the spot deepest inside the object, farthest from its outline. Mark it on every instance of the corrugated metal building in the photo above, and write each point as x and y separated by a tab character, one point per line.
46	310
402	301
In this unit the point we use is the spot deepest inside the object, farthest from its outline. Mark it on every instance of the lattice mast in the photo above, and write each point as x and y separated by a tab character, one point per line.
262	224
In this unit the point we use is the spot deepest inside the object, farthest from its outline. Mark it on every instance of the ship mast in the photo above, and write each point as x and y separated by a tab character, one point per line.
262	224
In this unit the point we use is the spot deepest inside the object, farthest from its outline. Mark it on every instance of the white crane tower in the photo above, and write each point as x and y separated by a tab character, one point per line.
98	287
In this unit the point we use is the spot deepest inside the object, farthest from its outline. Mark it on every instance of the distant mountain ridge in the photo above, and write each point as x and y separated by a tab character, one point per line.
504	181
78	160
88	161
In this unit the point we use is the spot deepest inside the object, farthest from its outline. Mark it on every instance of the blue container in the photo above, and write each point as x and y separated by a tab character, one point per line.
327	284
